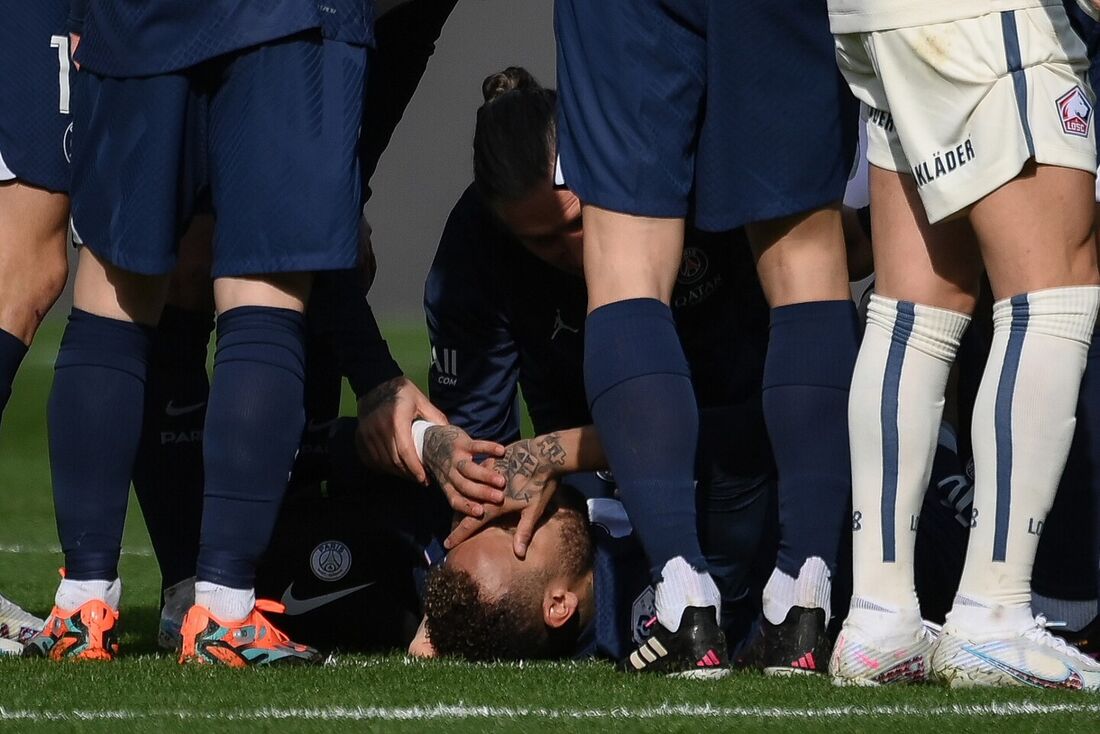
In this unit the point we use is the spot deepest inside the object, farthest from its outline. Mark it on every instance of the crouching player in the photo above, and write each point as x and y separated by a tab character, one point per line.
506	302
997	173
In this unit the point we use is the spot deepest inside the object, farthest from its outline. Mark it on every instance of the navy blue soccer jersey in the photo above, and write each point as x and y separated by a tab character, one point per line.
502	321
133	38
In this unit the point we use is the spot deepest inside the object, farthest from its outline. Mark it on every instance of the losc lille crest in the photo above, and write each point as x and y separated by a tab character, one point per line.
1075	111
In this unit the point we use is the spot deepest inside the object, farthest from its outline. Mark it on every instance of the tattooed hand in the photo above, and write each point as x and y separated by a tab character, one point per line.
384	436
449	455
531	469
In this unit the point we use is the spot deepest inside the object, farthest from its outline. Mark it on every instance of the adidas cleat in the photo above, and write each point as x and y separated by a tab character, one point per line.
89	632
16	624
251	641
1031	657
799	645
697	649
898	650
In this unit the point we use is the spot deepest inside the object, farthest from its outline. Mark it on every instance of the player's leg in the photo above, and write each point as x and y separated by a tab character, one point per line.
125	204
280	216
1024	419
168	471
782	176
926	286
639	159
33	268
35	139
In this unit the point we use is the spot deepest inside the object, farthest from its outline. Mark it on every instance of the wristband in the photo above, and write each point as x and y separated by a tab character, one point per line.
419	428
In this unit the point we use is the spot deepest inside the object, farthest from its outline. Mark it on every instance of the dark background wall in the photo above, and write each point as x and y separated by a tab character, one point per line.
428	164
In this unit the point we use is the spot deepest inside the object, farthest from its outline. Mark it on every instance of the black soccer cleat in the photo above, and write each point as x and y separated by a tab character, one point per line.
696	650
799	645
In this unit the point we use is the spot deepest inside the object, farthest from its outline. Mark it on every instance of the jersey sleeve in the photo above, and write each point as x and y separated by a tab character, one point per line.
340	314
474	371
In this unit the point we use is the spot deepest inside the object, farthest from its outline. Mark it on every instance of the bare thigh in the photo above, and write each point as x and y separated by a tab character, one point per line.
1036	231
935	265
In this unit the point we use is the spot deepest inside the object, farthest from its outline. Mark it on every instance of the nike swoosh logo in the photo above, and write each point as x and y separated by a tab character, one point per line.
173	411
1071	680
295	606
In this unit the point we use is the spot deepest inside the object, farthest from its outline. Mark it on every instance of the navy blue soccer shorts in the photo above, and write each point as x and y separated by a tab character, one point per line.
35	89
732	111
272	132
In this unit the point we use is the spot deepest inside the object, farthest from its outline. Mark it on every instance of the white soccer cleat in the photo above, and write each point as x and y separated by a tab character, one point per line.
879	647
1031	656
178	598
17	624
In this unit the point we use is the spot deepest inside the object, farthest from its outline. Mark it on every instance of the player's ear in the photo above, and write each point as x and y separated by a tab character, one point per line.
558	606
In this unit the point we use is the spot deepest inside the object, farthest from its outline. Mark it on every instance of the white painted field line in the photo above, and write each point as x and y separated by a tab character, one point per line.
54	549
463	711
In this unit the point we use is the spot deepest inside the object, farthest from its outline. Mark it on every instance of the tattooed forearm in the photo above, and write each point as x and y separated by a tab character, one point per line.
384	394
551	450
529	465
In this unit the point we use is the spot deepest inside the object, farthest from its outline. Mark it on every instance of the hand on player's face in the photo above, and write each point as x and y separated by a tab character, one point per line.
450	454
548	223
489	556
530	468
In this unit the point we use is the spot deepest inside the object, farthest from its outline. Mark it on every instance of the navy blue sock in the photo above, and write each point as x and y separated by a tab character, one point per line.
94	415
807	375
12	351
253	426
639	390
168	472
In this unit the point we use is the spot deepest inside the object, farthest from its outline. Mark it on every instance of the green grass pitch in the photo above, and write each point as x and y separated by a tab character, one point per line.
147	691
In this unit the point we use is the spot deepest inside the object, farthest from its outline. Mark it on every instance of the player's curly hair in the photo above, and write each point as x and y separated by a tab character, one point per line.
516	136
461	623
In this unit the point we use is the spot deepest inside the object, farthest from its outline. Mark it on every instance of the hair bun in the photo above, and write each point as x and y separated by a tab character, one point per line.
512	79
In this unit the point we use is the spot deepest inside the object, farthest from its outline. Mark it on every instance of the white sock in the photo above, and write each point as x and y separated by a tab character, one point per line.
73	594
229	605
1024	420
894	411
681	587
812	590
978	619
889	627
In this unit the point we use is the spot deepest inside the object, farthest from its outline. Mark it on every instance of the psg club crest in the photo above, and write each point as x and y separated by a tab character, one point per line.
330	561
693	266
1076	112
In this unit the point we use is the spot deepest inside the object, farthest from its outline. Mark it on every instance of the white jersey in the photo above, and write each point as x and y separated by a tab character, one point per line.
863	16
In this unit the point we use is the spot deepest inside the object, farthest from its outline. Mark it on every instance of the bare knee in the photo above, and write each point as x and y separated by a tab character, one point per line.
802	258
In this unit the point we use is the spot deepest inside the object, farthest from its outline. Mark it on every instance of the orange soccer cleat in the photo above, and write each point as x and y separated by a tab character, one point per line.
251	641
89	632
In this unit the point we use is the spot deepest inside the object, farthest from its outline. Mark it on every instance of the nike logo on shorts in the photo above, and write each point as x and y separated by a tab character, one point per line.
295	606
173	411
